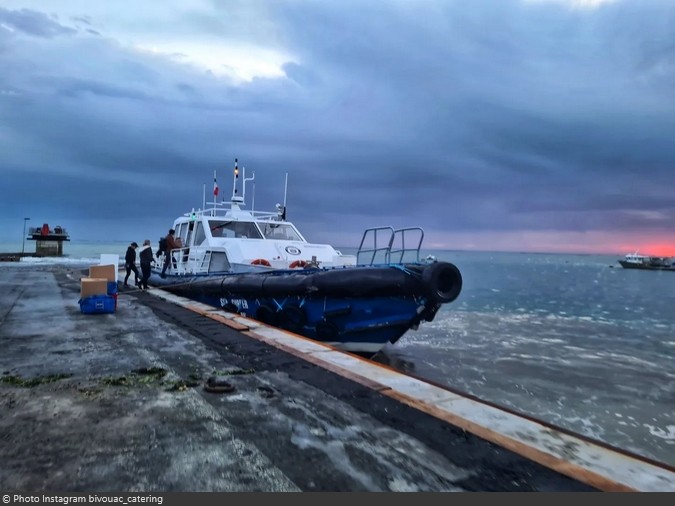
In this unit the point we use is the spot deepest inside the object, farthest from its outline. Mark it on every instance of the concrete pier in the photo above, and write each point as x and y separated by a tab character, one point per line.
116	402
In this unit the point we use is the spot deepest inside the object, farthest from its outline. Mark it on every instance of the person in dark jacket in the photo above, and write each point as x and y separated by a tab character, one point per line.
171	244
130	264
147	260
162	247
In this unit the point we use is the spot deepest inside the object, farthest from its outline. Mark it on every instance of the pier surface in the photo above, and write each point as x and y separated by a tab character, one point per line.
116	402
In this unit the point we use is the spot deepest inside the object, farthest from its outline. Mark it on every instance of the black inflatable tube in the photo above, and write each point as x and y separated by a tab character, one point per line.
441	281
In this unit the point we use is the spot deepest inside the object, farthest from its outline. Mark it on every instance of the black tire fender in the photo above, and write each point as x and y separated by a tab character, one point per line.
292	318
231	308
266	314
443	281
326	330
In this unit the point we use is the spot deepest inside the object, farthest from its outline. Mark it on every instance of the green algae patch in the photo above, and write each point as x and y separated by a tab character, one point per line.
18	381
118	381
182	385
234	372
145	376
90	393
152	377
157	372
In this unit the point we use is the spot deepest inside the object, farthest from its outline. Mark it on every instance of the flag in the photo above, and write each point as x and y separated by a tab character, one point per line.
215	185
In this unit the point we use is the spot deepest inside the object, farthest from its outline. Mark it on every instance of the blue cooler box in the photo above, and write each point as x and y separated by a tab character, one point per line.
112	291
97	304
112	287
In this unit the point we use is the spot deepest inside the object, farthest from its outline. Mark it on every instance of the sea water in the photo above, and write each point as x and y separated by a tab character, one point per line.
574	340
74	252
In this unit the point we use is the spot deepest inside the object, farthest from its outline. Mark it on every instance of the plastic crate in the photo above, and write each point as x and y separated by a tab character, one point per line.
98	304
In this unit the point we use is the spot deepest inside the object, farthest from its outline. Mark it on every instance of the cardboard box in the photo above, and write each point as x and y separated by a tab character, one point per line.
98	304
93	286
103	271
109	258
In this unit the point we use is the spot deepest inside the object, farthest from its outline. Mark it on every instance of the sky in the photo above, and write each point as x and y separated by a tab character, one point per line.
498	125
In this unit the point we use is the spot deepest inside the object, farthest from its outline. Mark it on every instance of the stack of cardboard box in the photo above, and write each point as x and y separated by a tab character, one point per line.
98	292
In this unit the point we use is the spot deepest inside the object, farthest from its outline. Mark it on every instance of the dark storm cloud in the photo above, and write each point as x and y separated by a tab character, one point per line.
458	116
33	23
504	95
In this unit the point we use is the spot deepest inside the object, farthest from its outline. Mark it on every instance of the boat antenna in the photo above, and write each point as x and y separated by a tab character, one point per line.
204	197
283	214
236	198
244	182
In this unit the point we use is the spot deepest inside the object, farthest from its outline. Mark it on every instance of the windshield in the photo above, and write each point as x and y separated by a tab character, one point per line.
279	231
238	229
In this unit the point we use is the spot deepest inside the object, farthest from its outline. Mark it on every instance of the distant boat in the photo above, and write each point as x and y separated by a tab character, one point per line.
648	262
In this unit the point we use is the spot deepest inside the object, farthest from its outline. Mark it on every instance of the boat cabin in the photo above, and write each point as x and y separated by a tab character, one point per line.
230	239
225	238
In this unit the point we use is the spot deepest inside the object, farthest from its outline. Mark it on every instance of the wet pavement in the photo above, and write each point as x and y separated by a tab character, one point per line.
116	402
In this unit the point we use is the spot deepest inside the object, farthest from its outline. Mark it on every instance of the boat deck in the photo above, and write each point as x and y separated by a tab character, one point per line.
89	410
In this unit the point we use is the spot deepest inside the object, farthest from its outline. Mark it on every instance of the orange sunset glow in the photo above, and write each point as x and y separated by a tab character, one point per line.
661	249
596	242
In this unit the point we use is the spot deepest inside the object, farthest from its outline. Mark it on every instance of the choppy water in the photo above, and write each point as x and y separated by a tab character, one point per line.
567	339
574	340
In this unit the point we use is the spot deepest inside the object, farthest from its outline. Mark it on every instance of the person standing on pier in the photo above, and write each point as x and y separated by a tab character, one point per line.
147	260
130	264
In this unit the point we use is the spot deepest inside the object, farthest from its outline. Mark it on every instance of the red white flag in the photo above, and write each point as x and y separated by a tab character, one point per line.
215	185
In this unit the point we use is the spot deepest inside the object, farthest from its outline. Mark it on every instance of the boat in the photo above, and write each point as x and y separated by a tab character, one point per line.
647	262
258	264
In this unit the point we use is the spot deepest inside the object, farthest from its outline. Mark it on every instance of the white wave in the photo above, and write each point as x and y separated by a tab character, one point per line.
620	357
552	340
668	433
47	261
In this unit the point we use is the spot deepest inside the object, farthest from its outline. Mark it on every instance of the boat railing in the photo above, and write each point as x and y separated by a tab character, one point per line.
218	209
407	251
375	246
186	263
57	230
384	245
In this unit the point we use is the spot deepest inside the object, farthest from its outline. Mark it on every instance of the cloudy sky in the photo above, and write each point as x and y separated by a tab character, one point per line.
513	125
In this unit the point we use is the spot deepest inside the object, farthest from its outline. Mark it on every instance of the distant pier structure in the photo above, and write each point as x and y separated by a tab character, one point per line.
48	241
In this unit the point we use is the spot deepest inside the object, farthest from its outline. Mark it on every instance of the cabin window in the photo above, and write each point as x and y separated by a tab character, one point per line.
190	229
236	229
280	232
199	234
181	233
219	262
